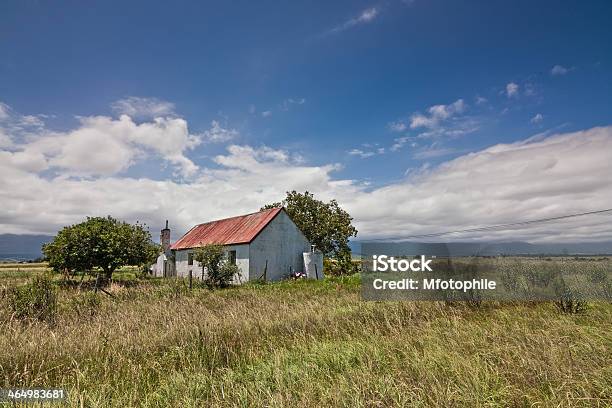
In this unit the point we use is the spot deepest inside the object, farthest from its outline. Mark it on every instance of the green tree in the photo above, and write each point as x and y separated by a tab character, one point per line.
326	225
100	242
219	271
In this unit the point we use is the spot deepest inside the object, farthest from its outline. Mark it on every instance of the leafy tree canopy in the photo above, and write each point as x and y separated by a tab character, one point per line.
100	242
326	225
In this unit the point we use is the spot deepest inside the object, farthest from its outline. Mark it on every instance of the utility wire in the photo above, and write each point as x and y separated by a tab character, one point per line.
500	226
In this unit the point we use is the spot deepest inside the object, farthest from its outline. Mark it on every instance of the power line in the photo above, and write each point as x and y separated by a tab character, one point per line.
500	226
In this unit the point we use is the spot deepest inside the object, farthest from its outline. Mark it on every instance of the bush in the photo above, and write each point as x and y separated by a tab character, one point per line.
342	267
222	276
219	271
569	300
35	300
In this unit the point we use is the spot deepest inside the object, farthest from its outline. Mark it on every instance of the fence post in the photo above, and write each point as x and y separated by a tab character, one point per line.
266	271
190	279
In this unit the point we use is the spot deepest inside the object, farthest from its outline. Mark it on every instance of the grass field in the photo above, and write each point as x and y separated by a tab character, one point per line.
302	343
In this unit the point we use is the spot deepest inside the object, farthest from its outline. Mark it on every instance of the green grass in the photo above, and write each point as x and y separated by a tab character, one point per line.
306	343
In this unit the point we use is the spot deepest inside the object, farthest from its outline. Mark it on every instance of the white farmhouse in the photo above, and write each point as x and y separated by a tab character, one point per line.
266	244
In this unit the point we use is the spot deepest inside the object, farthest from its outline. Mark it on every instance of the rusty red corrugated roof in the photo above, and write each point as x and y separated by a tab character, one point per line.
235	230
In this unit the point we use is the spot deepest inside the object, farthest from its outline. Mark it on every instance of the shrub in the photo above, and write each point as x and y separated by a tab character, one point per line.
569	300
219	271
34	300
223	275
341	267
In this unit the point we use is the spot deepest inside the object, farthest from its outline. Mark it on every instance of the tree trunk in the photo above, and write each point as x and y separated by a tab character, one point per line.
108	274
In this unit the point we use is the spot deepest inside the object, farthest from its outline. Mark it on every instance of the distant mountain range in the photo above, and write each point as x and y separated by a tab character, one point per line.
22	247
482	248
27	247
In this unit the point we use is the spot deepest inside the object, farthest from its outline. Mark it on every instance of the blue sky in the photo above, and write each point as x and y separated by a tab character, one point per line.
370	93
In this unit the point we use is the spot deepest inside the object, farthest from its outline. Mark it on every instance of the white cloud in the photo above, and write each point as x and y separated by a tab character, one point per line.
433	151
480	100
530	179
246	179
366	16
559	70
557	175
401	141
101	145
138	107
31	121
218	134
361	153
512	90
5	140
436	115
266	114
367	150
538	118
439	122
249	158
291	101
4	111
14	126
398	126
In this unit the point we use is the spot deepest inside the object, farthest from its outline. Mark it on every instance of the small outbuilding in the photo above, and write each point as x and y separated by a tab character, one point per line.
266	244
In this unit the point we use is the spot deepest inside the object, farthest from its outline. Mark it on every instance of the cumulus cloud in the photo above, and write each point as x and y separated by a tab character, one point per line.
443	122
5	140
246	179
439	122
218	134
556	175
15	126
138	107
436	115
101	145
534	178
512	90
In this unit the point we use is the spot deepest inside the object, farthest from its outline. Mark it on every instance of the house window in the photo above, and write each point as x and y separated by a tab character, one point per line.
231	257
190	258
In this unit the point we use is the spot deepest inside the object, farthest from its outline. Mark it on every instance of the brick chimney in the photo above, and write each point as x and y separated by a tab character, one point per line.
164	238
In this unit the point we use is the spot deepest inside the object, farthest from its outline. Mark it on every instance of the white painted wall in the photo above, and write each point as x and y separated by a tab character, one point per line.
242	260
282	244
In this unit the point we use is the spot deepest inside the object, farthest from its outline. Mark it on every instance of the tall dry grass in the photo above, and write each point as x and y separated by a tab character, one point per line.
306	344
